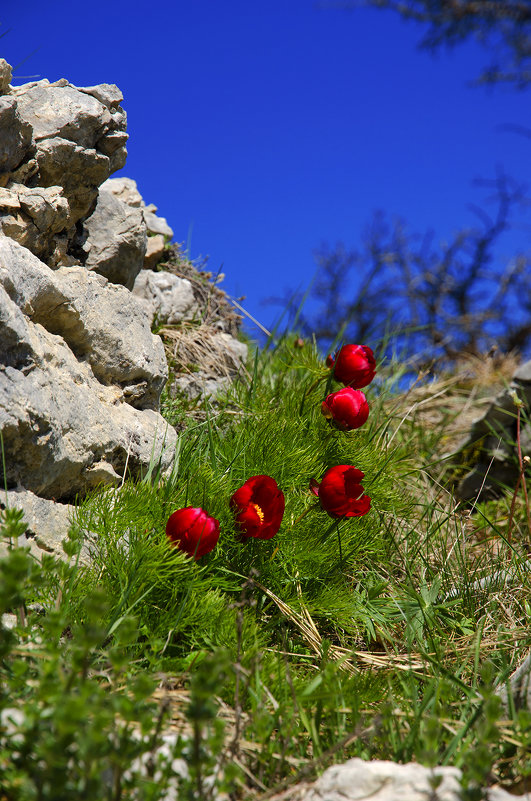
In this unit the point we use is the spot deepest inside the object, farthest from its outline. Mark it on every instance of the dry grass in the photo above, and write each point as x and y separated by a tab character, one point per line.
449	404
190	347
216	309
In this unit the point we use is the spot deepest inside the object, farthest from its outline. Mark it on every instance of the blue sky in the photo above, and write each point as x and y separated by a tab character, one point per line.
262	130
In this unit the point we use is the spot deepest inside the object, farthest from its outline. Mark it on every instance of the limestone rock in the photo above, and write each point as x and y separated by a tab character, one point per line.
60	109
126	189
116	239
15	134
25	173
59	135
34	217
113	145
47	522
101	323
198	385
154	251
519	685
5	76
381	780
157	225
235	351
167	298
77	169
107	93
491	437
63	432
80	375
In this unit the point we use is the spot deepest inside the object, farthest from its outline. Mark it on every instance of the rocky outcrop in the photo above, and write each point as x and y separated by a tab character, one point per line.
62	142
15	135
122	235
81	372
488	453
157	229
166	298
80	381
114	241
36	217
126	190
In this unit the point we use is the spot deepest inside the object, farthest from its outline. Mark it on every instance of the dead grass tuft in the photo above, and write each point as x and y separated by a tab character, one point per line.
191	347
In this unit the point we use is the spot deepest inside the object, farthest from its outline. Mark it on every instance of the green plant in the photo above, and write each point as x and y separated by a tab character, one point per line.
364	637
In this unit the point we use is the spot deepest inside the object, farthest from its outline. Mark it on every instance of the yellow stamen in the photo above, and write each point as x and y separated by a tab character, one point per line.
258	511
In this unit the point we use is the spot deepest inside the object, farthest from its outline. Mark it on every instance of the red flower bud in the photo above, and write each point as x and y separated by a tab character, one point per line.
346	409
354	366
193	531
340	492
259	506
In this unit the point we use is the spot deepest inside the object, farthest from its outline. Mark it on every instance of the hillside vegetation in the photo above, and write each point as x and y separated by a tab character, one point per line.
385	635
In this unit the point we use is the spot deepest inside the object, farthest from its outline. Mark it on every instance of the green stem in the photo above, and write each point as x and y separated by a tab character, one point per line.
300	517
339	541
311	388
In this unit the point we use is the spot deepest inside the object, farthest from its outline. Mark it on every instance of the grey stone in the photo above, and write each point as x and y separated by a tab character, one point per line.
36	218
25	173
493	438
110	144
125	189
116	240
106	93
67	401
522	374
519	686
89	117
59	109
101	323
200	384
64	434
60	136
154	251
15	135
47	523
167	298
384	781
77	169
381	780
5	76
113	146
235	351
157	225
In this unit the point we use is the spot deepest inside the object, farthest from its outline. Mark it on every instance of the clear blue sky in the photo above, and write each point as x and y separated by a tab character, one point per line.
268	128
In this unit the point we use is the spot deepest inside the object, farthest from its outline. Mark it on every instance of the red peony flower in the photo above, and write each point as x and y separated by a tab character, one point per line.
259	506
340	492
193	531
354	366
346	409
